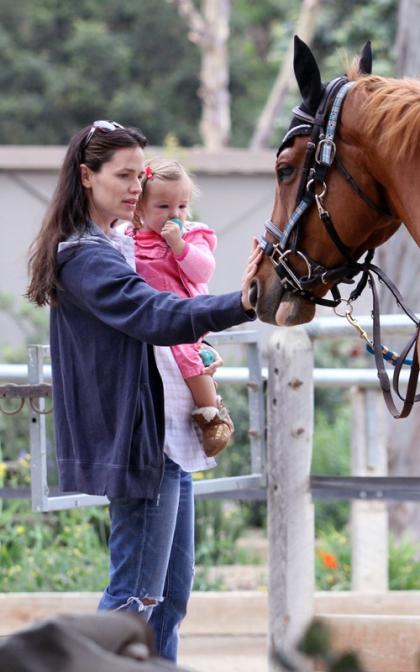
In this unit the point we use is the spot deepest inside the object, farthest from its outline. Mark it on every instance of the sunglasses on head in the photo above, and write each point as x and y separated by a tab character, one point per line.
103	125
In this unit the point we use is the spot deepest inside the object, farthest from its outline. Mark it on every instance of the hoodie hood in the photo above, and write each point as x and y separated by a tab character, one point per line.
95	236
92	236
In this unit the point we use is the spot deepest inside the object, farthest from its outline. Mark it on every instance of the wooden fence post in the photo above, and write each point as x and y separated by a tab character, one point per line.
290	508
369	519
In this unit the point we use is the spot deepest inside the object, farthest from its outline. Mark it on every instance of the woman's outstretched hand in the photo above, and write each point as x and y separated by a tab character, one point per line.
250	271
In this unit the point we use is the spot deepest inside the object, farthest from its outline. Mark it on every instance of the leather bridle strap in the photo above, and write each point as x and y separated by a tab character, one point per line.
410	397
320	151
357	190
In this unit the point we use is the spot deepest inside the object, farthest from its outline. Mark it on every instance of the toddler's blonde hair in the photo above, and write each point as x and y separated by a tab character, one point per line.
167	171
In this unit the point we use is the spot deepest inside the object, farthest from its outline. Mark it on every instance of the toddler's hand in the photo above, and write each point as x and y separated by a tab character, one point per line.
211	369
171	233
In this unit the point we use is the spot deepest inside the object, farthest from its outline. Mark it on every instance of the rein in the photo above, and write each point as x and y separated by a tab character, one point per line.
320	155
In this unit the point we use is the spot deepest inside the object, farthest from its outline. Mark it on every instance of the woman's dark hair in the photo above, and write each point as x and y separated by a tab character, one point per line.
68	212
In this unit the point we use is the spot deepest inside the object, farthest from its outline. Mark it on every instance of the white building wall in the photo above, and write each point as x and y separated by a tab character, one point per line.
236	197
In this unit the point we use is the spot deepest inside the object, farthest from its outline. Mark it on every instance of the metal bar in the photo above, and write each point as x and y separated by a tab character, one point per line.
257	423
405	489
72	501
229	484
13	391
366	378
244	487
36	372
345	488
37	433
254	378
336	327
336	378
232	337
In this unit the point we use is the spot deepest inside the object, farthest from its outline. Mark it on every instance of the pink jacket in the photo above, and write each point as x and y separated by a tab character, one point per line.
185	275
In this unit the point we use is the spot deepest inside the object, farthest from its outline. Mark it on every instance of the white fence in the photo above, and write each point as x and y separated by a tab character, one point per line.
286	478
291	380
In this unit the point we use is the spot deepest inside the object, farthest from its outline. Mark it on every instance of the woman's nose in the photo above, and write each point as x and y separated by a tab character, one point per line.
135	186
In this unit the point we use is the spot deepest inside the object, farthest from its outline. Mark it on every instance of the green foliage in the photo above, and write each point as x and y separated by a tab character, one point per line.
60	551
236	459
217	528
331	457
332	450
203	582
333	560
218	523
33	323
345	27
332	435
404	564
65	64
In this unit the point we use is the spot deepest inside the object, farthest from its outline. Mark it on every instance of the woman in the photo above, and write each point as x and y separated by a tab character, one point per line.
108	395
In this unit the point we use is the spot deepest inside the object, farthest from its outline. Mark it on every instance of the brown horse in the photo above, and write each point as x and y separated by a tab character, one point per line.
370	188
347	177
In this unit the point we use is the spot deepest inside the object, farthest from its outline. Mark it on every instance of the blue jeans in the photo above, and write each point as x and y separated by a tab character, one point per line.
151	549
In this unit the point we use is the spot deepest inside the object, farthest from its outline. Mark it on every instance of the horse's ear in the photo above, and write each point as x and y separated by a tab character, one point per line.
307	75
365	63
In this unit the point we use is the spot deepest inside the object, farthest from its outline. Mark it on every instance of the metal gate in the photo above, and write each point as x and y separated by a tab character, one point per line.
238	487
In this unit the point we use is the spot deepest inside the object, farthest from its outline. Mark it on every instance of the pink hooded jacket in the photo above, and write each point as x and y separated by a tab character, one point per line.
185	275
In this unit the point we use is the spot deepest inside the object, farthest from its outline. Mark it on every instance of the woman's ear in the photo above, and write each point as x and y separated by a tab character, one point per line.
85	176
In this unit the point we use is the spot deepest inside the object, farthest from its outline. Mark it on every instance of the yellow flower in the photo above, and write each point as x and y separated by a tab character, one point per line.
20	529
198	476
3	469
23	462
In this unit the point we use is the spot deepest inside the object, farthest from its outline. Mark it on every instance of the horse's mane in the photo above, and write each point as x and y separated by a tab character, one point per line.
391	111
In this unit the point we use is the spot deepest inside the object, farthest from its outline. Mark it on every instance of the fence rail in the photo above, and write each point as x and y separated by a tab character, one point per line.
281	468
291	380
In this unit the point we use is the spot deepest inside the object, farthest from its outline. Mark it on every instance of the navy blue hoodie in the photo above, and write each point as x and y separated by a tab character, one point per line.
108	395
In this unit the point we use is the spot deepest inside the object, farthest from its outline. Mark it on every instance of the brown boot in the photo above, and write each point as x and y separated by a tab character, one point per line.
216	425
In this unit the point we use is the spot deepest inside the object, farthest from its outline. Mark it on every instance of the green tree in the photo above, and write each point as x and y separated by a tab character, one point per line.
65	63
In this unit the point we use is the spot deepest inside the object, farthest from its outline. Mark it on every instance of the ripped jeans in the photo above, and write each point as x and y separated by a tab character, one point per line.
151	550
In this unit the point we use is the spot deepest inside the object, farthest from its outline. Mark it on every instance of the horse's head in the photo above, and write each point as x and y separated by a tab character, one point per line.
329	205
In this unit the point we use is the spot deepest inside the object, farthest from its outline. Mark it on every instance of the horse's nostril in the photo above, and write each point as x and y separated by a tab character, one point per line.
253	294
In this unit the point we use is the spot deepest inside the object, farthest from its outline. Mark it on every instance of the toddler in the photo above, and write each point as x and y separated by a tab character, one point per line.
176	255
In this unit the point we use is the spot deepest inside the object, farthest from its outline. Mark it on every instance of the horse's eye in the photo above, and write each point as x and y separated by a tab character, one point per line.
285	172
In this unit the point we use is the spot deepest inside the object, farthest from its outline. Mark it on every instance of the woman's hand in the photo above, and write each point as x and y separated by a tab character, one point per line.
250	270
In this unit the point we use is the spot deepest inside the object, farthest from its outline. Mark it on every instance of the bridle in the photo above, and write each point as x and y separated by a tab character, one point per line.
319	157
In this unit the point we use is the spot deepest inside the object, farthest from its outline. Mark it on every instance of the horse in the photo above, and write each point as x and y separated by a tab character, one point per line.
347	172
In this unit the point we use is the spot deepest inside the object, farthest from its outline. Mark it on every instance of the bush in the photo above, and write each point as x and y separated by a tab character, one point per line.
58	551
404	564
333	561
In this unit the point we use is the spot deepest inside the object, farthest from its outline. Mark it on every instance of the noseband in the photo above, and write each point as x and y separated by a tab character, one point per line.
320	154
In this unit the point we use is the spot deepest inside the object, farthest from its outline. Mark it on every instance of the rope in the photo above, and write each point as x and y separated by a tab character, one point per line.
387	354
